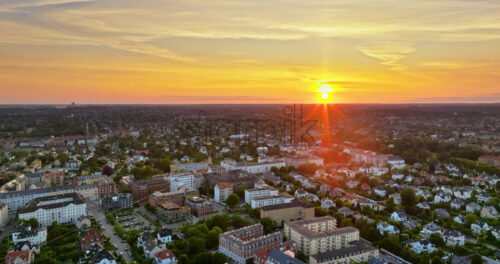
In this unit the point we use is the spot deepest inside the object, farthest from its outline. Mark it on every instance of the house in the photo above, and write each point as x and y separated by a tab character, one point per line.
457	204
20	257
397	176
25	245
396	197
496	232
459	219
489	212
442	198
103	257
365	187
479	227
463	193
379	191
424	205
384	227
346	211
472	207
431	228
423	245
91	237
399	216
165	235
141	241
411	224
165	257
442	213
454	238
326	203
352	184
483	196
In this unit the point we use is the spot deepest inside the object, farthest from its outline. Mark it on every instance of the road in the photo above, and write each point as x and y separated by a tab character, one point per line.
122	246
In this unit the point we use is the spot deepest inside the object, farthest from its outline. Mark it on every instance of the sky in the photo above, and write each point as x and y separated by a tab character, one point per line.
249	51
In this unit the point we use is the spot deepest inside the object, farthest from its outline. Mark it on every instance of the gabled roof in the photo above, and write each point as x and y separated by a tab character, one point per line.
13	255
164	254
103	254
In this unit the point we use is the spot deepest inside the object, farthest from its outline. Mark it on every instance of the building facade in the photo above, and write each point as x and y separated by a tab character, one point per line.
295	210
244	243
319	235
64	208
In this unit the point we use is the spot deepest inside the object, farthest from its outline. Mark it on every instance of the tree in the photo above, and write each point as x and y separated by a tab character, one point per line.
164	165
346	222
476	259
107	170
408	197
196	245
437	240
436	260
232	200
218	258
268	224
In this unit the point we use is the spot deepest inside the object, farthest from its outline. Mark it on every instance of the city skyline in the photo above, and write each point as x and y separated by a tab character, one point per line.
216	52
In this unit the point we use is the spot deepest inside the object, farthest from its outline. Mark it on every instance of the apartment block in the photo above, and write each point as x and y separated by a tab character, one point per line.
319	235
356	252
244	243
295	210
64	208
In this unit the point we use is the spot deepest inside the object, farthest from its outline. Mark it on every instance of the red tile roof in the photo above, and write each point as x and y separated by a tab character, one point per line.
13	255
224	185
164	254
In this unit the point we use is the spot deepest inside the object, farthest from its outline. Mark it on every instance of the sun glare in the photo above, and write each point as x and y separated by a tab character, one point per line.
324	92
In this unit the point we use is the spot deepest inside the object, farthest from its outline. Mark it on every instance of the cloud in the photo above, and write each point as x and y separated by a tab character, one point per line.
390	53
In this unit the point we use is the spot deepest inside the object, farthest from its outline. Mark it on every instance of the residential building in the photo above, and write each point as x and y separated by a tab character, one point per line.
63	208
298	161
244	243
171	212
480	227
91	237
165	257
25	233
295	210
318	235
454	238
222	191
259	192
399	215
178	197
423	245
489	212
356	252
431	228
384	227
231	165
262	201
103	257
199	206
20	257
472	207
113	201
164	235
143	188
276	256
179	180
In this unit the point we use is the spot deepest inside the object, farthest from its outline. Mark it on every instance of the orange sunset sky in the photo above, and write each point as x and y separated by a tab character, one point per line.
249	51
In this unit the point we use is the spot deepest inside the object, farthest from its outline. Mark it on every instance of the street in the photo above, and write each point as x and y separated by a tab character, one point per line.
122	246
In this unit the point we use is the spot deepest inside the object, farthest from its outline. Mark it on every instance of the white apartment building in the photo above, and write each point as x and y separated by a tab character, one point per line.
259	192
179	180
25	233
230	165
64	208
222	191
262	201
